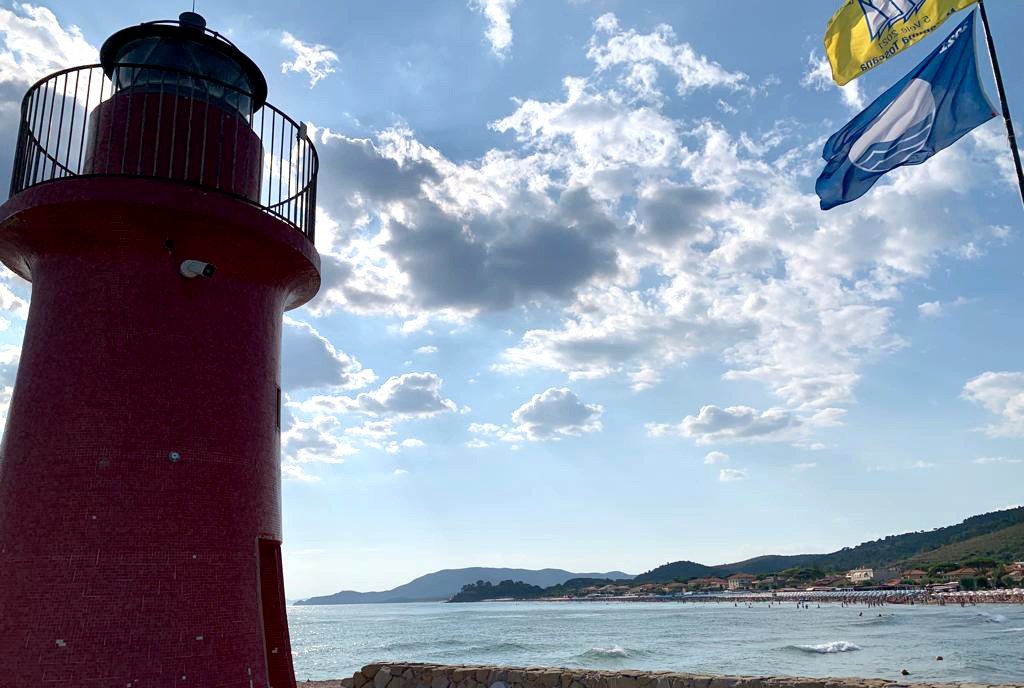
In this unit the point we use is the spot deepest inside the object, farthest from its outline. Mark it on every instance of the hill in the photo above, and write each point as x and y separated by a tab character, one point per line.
1006	544
441	585
483	590
877	553
681	570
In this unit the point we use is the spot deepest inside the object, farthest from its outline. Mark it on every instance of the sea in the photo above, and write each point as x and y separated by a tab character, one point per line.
979	644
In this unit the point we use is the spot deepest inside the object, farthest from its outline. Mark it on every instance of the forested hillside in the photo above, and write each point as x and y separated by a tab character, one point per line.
877	553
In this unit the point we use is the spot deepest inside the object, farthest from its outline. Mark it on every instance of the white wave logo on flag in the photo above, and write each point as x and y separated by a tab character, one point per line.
881	14
901	131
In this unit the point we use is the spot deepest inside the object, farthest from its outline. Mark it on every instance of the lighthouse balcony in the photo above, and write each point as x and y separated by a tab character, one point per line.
150	121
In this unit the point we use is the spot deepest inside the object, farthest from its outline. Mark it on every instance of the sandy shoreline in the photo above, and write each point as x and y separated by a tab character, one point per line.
874	598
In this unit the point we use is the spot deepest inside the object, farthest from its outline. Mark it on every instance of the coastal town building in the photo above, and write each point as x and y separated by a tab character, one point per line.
957	574
710	582
860	575
915	575
871	575
741	581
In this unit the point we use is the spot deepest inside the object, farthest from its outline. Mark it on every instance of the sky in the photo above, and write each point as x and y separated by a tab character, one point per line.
580	308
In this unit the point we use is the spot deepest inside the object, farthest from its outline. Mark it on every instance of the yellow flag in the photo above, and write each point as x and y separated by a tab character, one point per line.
865	33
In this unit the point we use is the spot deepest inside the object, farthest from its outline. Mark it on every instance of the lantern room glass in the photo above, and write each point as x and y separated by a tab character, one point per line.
211	67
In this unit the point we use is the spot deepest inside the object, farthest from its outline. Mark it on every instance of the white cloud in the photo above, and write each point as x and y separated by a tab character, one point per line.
644	378
312	59
732	424
35	44
426	350
11	302
786	295
612	46
992	140
399	472
891	468
725	107
714	457
381	434
933	309
292	471
1002	394
451	240
412	394
314	441
997	460
373	430
620	330
309	360
499	23
819	77
556	412
395	447
503	433
594	131
9	357
551	415
674	239
403	396
804	466
728	475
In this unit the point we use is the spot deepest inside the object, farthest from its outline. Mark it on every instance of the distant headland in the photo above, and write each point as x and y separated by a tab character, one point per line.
982	552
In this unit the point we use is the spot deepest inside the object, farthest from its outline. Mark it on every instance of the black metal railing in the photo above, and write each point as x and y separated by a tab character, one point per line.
148	121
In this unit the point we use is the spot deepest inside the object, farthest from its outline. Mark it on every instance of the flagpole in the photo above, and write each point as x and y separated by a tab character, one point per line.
1002	98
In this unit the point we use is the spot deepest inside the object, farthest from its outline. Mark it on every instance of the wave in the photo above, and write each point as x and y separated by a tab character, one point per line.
428	644
507	647
615	652
1011	630
828	648
491	649
992	618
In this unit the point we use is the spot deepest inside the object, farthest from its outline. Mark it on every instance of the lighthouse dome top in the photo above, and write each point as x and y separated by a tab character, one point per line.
185	45
172	101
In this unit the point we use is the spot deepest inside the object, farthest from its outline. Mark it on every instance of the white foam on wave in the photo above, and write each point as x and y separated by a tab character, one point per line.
992	618
829	648
608	652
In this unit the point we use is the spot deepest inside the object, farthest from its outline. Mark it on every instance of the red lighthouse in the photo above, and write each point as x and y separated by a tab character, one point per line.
163	212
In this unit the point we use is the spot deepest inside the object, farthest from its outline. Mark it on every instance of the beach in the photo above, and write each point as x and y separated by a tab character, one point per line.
870	598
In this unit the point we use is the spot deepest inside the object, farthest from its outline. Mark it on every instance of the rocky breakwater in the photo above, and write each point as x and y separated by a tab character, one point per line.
411	675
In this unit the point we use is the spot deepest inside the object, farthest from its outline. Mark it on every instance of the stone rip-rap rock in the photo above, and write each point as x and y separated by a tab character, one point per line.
414	675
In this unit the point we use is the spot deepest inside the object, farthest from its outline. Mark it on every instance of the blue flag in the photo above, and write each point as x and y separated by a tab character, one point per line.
926	111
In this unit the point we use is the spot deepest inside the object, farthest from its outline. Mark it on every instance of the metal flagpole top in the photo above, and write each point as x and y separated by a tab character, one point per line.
1010	135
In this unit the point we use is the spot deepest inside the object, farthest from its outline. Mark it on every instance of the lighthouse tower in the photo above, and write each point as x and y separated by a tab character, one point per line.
163	212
